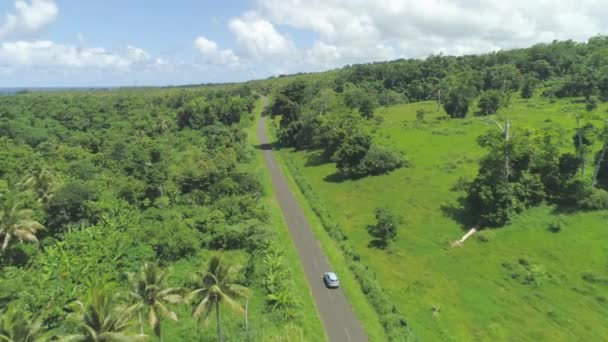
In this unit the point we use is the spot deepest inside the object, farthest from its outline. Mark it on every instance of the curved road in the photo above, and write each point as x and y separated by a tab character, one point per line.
336	313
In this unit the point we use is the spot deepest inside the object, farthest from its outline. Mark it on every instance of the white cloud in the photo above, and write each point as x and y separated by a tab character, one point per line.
213	54
259	39
30	18
45	54
361	31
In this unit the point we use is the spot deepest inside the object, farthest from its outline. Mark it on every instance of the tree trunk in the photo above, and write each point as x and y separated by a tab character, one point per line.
247	316
598	165
220	338
507	153
7	238
580	145
141	324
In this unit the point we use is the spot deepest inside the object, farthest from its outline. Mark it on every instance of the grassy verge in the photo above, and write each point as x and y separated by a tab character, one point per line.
311	325
365	312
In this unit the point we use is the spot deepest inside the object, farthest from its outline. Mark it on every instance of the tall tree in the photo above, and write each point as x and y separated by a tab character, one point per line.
217	285
583	139
602	155
102	319
19	326
151	294
17	222
42	182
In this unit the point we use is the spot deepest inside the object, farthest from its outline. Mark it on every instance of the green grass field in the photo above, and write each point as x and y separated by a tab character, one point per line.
520	282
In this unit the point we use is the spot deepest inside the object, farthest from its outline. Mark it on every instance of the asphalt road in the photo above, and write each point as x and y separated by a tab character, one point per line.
336	313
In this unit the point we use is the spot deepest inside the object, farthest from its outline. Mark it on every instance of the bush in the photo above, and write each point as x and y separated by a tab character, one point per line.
556	225
420	114
597	200
591	104
379	161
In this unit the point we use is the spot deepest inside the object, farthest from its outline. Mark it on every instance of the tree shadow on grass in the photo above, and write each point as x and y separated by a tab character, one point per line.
316	158
563	209
377	244
457	212
265	147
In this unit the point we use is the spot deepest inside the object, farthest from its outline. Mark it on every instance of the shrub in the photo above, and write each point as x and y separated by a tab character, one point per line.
379	161
591	104
597	200
556	225
420	113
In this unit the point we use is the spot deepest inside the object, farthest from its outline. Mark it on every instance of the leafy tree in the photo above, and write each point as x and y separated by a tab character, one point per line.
152	296
603	88
583	140
367	106
332	129
70	205
196	115
490	101
350	153
541	69
386	228
217	285
528	87
379	161
17	222
458	100
493	198
503	77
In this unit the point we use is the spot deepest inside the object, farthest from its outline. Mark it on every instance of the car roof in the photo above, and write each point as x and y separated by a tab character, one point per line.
331	275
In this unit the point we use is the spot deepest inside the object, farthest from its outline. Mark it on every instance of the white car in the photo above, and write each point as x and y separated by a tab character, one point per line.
331	280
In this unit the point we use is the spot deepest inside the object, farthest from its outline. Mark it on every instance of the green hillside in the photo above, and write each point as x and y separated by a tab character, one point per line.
479	289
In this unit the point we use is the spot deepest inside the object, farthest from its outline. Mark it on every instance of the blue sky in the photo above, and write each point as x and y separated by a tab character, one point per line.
153	42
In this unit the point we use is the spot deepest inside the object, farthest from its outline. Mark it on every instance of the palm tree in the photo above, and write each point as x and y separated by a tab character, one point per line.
214	286
19	326
151	293
16	222
101	319
42	182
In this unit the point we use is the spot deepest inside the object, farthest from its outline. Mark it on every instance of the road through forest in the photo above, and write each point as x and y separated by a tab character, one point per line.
336	313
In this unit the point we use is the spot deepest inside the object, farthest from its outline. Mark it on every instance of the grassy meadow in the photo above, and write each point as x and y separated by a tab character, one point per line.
518	283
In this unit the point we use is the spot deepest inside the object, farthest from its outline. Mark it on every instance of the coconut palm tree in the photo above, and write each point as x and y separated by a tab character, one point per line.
42	182
151	294
19	326
17	222
102	319
217	286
